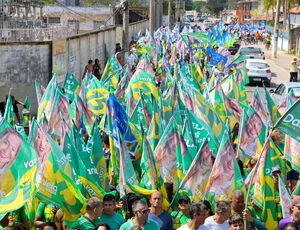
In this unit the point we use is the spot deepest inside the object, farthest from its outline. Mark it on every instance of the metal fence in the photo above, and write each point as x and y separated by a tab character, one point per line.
37	34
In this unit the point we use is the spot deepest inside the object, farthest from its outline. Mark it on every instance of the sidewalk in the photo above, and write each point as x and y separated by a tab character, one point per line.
283	59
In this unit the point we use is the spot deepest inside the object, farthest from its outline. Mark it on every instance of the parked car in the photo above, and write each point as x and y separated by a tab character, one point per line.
234	49
190	17
280	93
253	52
207	24
259	71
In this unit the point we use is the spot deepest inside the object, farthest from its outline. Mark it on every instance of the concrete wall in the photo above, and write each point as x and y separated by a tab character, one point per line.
24	62
21	64
134	28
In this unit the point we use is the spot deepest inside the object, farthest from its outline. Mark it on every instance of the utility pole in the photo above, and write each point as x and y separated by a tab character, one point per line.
169	13
152	16
275	43
125	39
159	14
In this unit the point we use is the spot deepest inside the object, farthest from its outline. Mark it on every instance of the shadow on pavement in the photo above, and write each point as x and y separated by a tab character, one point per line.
273	85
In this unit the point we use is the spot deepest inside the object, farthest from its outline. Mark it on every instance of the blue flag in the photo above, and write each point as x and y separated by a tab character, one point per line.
215	58
120	123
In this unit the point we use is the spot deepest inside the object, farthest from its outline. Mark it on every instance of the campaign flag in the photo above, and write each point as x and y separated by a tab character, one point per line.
273	109
46	101
252	135
292	152
197	176
154	130
289	123
143	82
264	188
258	106
18	167
223	172
40	90
9	115
285	198
59	112
120	122
76	163
205	113
27	103
150	174
215	58
26	111
112	72
71	86
200	131
127	172
96	95
217	100
54	177
165	154
95	144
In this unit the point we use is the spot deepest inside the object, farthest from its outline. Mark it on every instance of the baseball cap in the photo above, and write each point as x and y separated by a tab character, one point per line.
276	169
296	201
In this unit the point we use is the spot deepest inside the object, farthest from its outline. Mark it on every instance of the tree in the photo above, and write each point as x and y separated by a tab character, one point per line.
189	5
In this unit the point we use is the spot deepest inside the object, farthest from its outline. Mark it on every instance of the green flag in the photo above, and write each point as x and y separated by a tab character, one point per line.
9	111
273	109
289	123
71	86
18	166
264	188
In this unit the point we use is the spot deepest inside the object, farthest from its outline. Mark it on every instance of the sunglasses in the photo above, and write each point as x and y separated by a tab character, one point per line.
145	211
183	202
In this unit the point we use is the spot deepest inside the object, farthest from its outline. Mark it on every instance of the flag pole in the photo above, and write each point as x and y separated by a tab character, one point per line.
251	179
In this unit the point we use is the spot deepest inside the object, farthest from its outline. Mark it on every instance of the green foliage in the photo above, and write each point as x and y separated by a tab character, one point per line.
189	5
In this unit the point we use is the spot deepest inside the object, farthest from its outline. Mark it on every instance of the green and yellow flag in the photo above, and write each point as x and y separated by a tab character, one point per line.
264	188
96	95
18	167
54	178
9	115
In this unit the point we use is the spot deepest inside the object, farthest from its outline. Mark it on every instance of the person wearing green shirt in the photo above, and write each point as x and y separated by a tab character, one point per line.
45	213
140	219
182	216
238	207
90	219
109	216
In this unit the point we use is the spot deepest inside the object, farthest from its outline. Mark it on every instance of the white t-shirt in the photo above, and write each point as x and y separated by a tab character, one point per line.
213	225
186	227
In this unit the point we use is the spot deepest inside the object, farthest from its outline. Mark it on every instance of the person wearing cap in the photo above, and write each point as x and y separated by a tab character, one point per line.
162	217
295	215
293	70
197	212
182	216
91	218
219	221
141	214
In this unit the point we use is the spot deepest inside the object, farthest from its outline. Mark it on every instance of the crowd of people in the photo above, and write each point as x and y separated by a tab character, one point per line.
168	206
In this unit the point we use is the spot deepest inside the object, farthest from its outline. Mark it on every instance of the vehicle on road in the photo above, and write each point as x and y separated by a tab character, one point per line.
234	49
190	17
282	90
251	52
207	24
259	71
